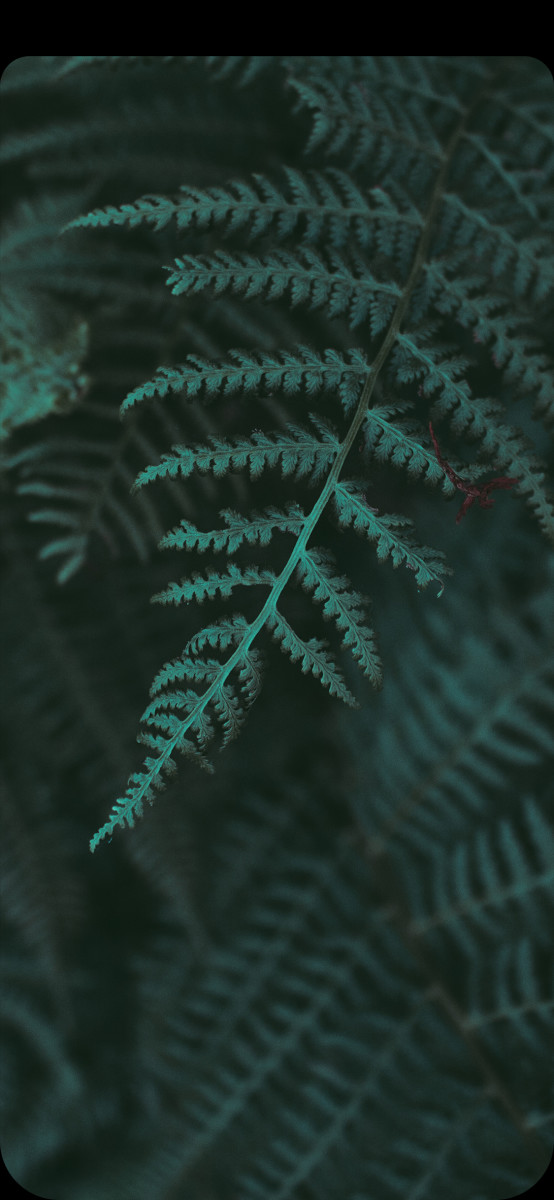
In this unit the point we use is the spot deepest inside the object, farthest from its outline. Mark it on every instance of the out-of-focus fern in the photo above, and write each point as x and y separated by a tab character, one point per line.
339	970
41	355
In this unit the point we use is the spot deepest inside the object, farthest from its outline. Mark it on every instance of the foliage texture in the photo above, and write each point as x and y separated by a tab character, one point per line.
249	361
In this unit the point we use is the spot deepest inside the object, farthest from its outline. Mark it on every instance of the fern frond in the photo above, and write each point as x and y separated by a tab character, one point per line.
246	371
37	378
207	587
229	709
508	449
390	438
257	529
344	605
178	701
394	535
470	885
199	670
358	909
298	451
186	707
512	342
143	786
174	715
84	486
340	602
527	258
416	218
521	995
250	675
305	274
326	205
221	634
367	124
314	655
493	725
505	446
493	164
415	359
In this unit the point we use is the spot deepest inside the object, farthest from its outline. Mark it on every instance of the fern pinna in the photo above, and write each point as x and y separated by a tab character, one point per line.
432	224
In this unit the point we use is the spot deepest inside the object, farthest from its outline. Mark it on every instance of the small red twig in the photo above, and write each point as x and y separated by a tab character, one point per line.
473	491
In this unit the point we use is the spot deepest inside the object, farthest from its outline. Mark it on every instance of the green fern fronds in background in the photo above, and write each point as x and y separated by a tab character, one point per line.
238	292
41	352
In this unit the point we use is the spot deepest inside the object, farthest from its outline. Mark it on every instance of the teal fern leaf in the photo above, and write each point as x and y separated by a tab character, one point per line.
84	487
244	996
202	588
329	205
255	529
527	257
418	230
306	275
298	451
315	570
293	371
393	534
391	438
314	655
